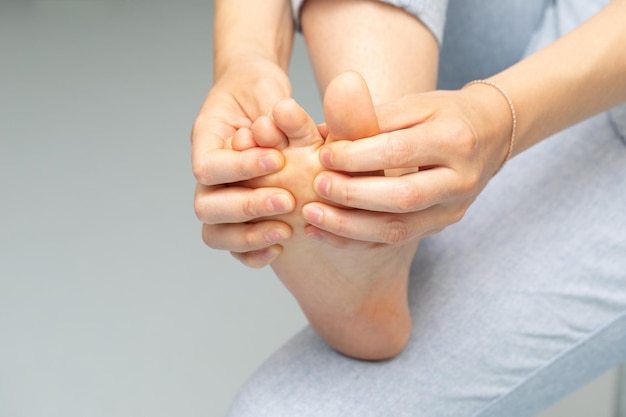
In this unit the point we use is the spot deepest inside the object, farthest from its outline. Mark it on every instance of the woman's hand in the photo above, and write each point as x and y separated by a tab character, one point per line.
458	139
244	92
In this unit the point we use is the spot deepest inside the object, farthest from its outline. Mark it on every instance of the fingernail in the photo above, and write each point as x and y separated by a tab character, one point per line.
274	236
269	163
279	203
322	185
326	156
313	214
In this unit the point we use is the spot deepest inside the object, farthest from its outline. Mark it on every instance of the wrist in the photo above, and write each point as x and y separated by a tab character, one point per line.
497	119
245	56
249	30
512	110
253	75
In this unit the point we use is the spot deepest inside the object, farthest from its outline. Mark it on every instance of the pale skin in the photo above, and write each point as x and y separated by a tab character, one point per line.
577	76
458	138
359	308
355	299
249	78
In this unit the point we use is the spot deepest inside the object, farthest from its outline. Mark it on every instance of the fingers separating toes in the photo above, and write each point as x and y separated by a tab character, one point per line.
240	204
226	166
245	237
375	227
260	258
404	194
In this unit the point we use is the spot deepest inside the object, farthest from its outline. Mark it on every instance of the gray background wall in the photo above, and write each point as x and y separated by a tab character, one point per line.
110	305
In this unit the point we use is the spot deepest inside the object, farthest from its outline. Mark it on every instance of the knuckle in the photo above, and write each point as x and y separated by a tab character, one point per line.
250	238
249	208
395	231
247	166
200	171
341	226
199	209
348	194
396	151
406	197
467	144
208	237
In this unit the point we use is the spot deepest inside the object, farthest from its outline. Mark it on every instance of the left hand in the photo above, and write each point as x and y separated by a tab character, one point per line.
458	139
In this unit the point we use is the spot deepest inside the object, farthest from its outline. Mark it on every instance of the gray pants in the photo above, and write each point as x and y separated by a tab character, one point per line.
521	302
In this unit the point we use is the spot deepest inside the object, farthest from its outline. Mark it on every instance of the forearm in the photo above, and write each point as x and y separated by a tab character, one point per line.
579	75
252	47
246	29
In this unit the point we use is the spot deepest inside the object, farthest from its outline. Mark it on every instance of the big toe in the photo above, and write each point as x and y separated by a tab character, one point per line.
348	108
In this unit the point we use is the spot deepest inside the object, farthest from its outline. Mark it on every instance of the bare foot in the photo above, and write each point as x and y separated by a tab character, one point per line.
356	299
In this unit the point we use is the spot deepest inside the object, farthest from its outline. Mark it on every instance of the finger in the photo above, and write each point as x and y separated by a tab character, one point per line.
393	115
213	126
211	129
259	258
240	204
378	227
429	144
338	242
225	166
404	194
245	237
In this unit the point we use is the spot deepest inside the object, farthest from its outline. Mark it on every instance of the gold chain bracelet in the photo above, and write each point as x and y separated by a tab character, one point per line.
513	116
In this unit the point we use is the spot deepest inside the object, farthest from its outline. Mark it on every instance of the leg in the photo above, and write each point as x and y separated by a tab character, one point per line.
356	298
512	308
343	35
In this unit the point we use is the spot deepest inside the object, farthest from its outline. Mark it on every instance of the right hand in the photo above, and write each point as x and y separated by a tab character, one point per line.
239	96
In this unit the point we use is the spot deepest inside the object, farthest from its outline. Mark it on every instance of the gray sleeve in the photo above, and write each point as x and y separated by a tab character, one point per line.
431	12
